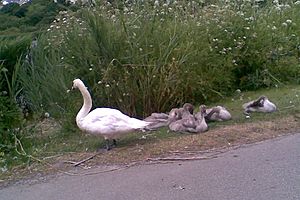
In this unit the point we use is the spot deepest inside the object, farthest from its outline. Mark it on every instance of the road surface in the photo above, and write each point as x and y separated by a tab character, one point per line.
269	170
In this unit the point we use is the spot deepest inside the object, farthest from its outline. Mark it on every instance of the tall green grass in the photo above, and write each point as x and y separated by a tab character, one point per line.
143	57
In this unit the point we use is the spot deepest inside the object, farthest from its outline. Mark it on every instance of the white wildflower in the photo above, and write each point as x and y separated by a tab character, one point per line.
47	115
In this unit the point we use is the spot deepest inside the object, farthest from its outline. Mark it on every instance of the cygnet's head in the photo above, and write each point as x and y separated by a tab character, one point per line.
177	114
188	107
202	109
262	99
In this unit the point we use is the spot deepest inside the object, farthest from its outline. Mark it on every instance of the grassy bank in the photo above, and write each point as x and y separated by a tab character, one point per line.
143	58
51	143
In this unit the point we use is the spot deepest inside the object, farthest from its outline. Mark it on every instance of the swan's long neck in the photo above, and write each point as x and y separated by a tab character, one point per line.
87	103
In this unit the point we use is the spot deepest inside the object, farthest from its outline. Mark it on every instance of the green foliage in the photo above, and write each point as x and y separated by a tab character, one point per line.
44	80
10	118
10	115
146	57
11	56
10	8
34	15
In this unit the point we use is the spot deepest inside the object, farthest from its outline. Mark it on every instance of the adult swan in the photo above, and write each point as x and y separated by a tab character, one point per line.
107	122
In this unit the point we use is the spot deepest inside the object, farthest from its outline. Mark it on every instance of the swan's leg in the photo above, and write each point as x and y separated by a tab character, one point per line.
114	142
108	147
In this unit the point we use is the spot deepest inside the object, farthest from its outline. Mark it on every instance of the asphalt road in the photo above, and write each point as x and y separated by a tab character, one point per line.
268	170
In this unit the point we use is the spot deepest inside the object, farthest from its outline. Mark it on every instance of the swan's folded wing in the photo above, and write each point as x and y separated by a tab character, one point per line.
111	119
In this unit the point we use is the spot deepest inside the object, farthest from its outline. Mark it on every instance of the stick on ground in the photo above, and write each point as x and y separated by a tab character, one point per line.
75	164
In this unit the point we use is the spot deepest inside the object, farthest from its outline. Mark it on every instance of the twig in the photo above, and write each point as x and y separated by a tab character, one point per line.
179	158
82	161
54	156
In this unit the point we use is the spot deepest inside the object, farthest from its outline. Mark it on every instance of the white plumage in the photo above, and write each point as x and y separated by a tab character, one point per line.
107	122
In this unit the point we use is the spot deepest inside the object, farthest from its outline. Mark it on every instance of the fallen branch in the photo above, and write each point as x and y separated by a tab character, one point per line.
179	158
75	164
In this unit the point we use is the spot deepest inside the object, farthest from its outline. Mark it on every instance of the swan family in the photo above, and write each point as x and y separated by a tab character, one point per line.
111	123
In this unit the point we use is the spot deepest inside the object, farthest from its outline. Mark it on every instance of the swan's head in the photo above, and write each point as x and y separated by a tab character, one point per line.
77	83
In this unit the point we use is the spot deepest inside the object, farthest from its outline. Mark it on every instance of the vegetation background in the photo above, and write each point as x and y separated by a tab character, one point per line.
137	56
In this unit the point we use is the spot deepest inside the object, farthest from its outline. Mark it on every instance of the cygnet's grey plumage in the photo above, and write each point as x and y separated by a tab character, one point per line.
262	104
187	122
217	113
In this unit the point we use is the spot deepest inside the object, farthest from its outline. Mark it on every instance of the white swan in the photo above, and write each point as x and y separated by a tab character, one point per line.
107	122
262	104
217	113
